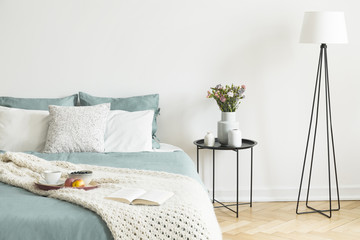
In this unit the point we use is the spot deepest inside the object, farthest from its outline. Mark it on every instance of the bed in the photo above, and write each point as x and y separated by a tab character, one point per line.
26	215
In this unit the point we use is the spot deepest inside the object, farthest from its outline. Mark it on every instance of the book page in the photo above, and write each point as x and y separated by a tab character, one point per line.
126	195
153	197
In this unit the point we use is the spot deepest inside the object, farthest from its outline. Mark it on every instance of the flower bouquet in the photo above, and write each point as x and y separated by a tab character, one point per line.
228	97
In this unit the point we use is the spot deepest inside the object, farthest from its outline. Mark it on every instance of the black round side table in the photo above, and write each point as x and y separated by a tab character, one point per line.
246	144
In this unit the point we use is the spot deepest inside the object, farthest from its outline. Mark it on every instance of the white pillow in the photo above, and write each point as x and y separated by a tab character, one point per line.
23	130
129	131
77	129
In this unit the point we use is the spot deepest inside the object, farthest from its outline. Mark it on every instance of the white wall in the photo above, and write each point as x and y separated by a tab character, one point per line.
180	49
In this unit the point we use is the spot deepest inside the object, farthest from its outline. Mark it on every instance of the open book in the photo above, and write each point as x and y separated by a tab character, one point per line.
138	196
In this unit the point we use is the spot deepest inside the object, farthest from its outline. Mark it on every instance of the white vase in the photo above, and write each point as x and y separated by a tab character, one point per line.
235	138
227	123
209	139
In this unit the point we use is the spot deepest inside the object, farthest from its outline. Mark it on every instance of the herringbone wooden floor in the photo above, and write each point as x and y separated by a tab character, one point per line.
278	221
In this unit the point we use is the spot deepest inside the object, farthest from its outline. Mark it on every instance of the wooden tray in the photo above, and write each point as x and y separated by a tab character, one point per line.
47	187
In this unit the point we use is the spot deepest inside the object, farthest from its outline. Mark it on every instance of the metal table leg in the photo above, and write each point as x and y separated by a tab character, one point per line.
237	183
197	159
213	175
251	177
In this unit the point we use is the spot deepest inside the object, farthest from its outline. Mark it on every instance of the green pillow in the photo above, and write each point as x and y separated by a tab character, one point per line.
38	103
131	104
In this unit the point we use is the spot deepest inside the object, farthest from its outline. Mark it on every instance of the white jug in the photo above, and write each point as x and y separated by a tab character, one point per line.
209	139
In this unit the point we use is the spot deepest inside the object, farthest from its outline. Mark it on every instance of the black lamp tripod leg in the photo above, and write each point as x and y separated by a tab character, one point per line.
327	128
329	120
309	132
316	123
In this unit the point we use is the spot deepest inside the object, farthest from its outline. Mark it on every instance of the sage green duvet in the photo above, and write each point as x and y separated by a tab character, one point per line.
24	215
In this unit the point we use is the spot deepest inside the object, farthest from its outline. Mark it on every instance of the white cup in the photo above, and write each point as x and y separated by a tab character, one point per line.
51	177
235	138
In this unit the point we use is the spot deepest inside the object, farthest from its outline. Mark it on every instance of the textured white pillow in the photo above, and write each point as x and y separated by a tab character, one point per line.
23	130
129	131
77	129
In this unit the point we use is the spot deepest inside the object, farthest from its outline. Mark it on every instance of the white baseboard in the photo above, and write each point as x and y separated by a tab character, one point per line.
287	194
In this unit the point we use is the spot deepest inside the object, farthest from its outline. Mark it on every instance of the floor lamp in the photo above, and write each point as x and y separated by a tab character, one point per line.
322	28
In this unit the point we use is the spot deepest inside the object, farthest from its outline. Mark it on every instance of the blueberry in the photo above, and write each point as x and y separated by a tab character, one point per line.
81	172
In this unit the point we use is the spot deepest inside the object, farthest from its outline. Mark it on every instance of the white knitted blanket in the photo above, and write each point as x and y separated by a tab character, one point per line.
186	215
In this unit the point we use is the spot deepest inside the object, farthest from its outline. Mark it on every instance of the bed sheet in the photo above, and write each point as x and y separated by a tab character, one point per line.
25	215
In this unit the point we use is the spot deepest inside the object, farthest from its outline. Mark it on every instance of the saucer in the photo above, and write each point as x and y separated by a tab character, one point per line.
43	182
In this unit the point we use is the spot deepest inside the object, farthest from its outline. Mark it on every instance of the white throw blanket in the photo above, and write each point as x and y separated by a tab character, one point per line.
186	215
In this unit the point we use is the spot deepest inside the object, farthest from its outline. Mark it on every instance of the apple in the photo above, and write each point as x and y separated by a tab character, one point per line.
69	182
78	183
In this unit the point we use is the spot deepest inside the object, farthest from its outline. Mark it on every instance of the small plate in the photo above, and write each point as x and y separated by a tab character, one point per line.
43	182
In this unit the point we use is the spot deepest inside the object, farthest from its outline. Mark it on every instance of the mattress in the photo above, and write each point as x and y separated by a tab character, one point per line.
25	215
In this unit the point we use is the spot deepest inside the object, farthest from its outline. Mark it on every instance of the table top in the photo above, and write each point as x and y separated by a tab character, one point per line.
246	143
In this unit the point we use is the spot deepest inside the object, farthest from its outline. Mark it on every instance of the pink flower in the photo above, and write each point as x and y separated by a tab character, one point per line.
243	86
208	94
222	99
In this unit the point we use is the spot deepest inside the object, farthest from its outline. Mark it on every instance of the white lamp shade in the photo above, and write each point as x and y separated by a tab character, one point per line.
324	27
